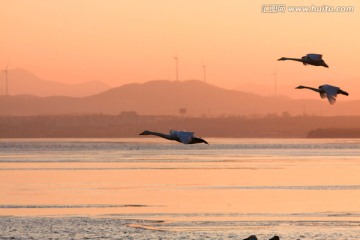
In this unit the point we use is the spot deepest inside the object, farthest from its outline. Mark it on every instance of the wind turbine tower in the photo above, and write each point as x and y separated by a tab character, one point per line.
176	67
204	72
275	81
275	87
6	81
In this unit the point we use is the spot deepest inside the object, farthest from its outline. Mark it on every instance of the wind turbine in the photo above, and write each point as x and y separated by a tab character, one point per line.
177	67
275	81
204	71
6	79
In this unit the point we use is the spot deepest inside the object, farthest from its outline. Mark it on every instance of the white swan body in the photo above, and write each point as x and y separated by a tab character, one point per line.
310	59
180	136
327	91
185	137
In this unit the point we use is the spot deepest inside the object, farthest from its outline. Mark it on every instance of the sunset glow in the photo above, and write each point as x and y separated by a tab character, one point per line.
179	119
119	42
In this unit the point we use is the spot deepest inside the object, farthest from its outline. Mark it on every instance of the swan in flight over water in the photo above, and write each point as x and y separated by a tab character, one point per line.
326	91
180	136
311	59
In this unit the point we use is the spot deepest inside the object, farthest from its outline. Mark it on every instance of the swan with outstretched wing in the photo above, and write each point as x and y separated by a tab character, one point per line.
326	91
310	59
179	136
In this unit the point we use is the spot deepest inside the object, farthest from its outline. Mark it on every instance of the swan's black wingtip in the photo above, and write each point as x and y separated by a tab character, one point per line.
343	92
204	141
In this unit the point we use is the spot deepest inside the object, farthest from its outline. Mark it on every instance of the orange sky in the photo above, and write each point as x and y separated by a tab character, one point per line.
124	41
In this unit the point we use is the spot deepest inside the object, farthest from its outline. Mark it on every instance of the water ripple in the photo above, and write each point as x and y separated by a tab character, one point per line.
75	206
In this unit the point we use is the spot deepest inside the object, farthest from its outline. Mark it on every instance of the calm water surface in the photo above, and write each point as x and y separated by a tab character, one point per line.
291	186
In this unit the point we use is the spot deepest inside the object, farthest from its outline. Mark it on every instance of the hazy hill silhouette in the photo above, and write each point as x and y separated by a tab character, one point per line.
22	81
199	98
167	97
288	89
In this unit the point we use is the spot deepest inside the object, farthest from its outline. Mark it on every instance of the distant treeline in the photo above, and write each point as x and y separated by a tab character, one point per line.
129	124
335	133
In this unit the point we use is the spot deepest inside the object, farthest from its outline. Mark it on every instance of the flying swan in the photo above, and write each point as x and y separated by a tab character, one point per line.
326	91
180	136
311	59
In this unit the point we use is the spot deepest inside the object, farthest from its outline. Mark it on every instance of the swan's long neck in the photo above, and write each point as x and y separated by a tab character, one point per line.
295	59
166	136
311	88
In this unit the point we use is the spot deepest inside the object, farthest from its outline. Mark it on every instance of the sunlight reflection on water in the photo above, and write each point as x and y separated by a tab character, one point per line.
231	185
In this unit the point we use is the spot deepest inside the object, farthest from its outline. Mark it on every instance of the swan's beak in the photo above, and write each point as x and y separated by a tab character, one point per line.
142	133
325	65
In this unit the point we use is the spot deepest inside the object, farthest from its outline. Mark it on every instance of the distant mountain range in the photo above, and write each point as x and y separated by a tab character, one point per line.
23	82
286	89
162	97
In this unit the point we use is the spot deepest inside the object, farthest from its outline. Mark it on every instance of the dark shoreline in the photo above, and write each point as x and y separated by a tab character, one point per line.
130	124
